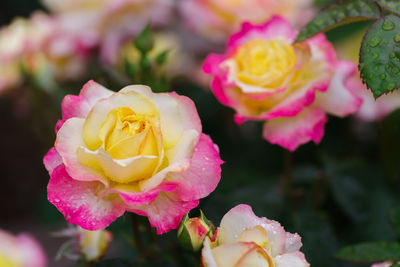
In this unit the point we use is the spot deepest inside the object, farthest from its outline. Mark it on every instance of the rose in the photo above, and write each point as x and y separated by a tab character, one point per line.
129	151
264	76
217	19
20	251
243	239
109	22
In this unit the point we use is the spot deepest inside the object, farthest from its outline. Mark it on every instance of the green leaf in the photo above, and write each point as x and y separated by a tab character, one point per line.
395	218
390	5
380	56
144	42
370	252
340	14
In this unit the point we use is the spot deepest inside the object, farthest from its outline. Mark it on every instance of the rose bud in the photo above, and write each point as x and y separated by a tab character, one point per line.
193	231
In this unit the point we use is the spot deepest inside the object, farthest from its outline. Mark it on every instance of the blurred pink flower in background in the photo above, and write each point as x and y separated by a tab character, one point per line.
264	76
109	22
40	47
21	250
243	239
217	19
130	151
371	109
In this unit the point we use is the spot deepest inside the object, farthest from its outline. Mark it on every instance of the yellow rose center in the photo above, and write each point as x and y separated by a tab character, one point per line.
126	134
265	62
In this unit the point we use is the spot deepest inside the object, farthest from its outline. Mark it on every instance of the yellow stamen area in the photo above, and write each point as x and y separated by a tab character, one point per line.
265	62
126	134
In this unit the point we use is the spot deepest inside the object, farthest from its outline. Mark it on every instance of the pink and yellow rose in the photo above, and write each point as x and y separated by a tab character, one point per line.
217	19
265	76
243	239
21	250
133	150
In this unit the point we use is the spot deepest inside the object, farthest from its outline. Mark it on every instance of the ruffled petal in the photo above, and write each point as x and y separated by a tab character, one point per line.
69	140
203	175
79	201
79	106
293	242
132	195
276	27
293	259
340	100
207	258
52	160
165	213
290	133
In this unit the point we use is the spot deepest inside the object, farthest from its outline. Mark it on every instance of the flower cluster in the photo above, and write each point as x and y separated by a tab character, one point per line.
133	150
263	75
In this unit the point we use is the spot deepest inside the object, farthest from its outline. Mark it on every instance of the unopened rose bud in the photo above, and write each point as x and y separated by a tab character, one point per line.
193	231
93	244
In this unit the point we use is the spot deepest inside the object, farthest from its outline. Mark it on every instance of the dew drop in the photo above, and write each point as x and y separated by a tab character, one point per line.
388	25
376	40
391	86
374	55
396	38
392	55
383	76
395	70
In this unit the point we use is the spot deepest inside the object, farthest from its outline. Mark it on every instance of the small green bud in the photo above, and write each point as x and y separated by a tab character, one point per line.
193	231
144	42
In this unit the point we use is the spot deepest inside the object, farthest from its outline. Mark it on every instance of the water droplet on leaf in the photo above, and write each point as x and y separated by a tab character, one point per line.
375	41
388	25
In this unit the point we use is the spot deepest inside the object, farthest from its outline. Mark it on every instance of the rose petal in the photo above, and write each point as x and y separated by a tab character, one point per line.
293	132
203	175
79	201
292	259
79	106
165	213
132	195
339	99
242	217
276	27
51	160
207	258
69	140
